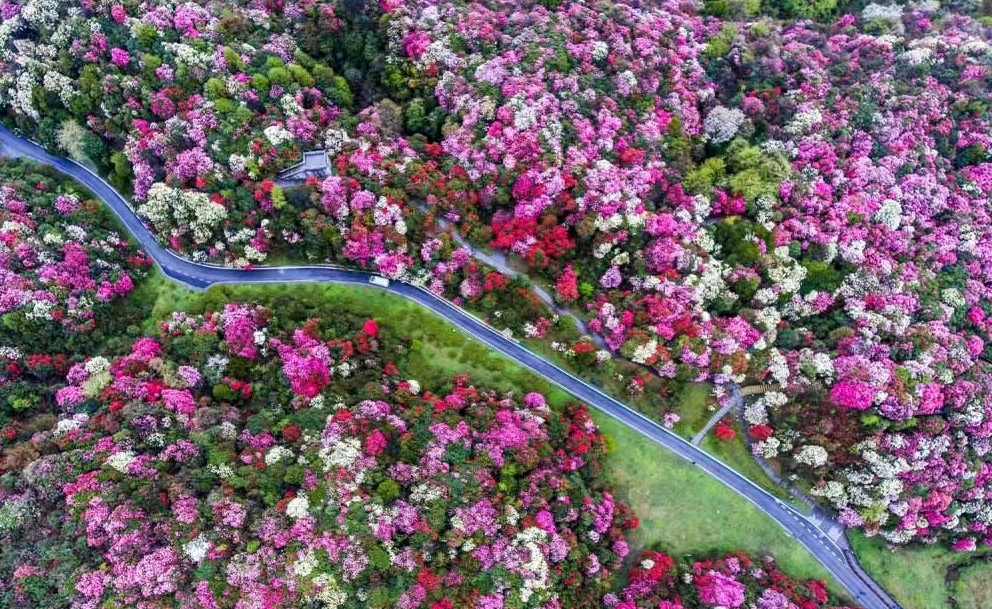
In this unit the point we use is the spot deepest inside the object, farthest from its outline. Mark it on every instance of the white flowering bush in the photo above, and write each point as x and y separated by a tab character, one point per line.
177	212
722	124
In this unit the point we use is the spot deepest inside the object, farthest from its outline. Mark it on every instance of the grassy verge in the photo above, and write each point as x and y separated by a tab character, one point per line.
695	408
927	577
735	454
973	589
681	509
165	297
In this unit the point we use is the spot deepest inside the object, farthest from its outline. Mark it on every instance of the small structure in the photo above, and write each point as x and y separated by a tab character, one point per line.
313	165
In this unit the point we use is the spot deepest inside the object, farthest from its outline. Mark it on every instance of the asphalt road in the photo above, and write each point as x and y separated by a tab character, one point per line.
865	591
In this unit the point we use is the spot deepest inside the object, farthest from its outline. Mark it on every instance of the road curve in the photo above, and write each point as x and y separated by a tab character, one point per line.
200	276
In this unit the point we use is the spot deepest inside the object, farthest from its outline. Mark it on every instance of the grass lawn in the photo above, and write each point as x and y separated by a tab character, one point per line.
735	454
696	406
923	577
973	589
681	509
165	295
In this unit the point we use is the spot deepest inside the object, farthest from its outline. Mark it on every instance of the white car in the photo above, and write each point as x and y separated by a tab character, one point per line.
379	281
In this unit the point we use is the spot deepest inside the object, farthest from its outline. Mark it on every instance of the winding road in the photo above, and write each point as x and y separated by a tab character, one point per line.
200	276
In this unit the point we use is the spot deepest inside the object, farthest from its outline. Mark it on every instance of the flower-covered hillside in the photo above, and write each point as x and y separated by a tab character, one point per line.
191	107
810	211
887	213
62	261
65	271
230	464
796	204
240	459
655	581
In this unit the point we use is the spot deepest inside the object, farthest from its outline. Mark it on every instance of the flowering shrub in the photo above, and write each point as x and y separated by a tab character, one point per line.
657	582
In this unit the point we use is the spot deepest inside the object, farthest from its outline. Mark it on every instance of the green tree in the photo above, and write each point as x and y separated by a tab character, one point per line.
215	88
415	117
301	75
233	60
388	490
94	148
340	92
260	83
121	174
145	35
280	76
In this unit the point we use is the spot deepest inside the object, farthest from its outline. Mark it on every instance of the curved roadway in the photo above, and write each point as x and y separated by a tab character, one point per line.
200	276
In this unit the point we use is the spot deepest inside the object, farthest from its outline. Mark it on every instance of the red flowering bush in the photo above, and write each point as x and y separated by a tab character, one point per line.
724	432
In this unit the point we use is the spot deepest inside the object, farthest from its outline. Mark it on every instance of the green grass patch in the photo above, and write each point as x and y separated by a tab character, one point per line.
165	297
686	511
973	589
918	577
695	402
